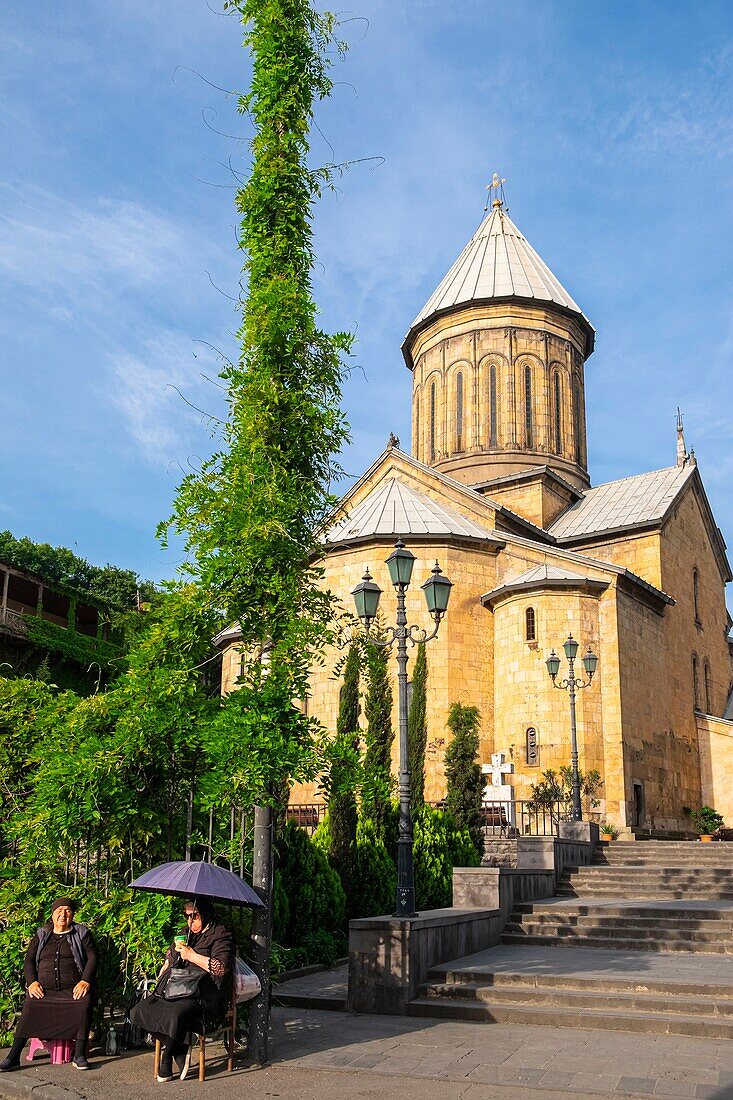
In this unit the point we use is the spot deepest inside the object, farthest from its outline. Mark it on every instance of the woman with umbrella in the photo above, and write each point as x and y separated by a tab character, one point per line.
193	988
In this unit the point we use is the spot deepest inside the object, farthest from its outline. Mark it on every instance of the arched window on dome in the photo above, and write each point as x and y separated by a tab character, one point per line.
528	427
459	411
577	423
696	596
557	413
432	422
695	682
530	625
417	442
708	693
493	412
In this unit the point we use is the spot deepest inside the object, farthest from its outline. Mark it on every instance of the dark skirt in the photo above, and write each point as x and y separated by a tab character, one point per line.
55	1016
172	1018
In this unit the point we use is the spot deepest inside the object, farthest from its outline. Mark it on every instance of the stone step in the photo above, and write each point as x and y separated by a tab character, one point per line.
659	920
552	1016
638	893
636	982
621	931
654	912
652	874
680	1005
601	941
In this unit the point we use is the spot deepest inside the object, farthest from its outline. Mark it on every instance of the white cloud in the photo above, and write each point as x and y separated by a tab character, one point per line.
49	242
154	390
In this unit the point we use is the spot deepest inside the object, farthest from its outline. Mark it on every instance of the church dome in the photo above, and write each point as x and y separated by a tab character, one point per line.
497	264
497	356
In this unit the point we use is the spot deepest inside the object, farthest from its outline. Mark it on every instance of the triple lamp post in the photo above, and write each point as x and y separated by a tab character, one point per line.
573	685
366	597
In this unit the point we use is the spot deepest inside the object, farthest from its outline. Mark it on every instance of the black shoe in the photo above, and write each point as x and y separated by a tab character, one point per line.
79	1062
9	1064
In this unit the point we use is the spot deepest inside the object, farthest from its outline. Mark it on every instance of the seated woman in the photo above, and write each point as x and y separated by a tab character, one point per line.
60	966
207	955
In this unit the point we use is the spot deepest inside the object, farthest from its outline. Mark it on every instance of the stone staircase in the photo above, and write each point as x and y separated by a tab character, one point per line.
651	925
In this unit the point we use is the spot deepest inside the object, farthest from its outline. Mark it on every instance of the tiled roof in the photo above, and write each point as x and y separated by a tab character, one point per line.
549	576
631	502
394	508
498	262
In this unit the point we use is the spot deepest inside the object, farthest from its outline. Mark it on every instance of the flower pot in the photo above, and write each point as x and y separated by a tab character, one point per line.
606	837
705	837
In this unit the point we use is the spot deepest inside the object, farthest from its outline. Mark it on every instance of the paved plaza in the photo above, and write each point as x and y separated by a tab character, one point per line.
323	1054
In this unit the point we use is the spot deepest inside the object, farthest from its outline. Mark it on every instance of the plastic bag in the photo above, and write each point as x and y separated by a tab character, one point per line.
246	983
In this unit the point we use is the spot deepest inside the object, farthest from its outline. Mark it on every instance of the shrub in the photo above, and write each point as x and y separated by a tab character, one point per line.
706	820
440	845
377	778
417	730
309	896
369	878
463	772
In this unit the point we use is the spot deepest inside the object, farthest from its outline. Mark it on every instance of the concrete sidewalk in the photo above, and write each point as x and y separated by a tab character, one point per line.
324	1055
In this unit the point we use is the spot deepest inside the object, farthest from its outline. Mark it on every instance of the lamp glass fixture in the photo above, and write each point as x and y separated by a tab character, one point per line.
437	592
366	598
553	664
571	648
400	563
590	662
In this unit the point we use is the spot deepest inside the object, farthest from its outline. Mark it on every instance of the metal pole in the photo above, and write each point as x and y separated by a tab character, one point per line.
262	880
577	808
405	902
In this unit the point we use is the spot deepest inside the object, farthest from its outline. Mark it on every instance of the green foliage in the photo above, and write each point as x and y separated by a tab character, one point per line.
440	845
609	829
309	897
66	572
554	791
463	772
80	648
341	789
706	820
377	781
417	729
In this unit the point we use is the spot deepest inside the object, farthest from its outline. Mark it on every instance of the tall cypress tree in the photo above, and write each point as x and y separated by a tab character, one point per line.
342	800
377	782
417	730
463	772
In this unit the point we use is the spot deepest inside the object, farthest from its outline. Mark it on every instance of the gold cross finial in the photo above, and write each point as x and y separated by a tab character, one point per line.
497	187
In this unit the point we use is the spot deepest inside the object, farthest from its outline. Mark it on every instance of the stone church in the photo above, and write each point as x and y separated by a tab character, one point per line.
497	489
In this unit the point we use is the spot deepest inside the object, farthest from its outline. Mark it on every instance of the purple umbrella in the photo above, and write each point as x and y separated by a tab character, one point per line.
186	879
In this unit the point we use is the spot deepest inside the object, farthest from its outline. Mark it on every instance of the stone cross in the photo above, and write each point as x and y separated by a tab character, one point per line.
498	769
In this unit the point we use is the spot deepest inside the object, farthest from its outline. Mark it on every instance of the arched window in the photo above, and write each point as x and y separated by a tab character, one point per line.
417	442
492	406
528	433
696	595
530	625
695	682
708	700
557	417
577	423
432	421
531	747
459	411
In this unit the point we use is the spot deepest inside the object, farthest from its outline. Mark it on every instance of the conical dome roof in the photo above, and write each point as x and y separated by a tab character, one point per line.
497	264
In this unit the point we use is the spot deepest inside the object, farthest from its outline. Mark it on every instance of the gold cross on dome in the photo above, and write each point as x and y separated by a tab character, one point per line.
497	186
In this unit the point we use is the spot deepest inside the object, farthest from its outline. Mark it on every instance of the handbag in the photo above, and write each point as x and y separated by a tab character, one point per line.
182	982
246	983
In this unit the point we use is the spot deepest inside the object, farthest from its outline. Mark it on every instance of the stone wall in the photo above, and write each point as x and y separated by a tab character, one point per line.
715	738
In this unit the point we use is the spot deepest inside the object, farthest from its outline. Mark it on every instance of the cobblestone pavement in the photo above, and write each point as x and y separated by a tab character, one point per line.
324	1055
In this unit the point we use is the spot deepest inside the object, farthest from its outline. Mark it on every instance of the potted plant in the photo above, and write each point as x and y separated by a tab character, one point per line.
706	821
608	831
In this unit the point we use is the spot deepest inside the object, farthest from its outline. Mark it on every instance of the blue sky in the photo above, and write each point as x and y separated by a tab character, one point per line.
612	124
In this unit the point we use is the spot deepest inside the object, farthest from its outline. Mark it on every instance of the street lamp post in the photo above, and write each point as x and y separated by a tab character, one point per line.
366	598
573	685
